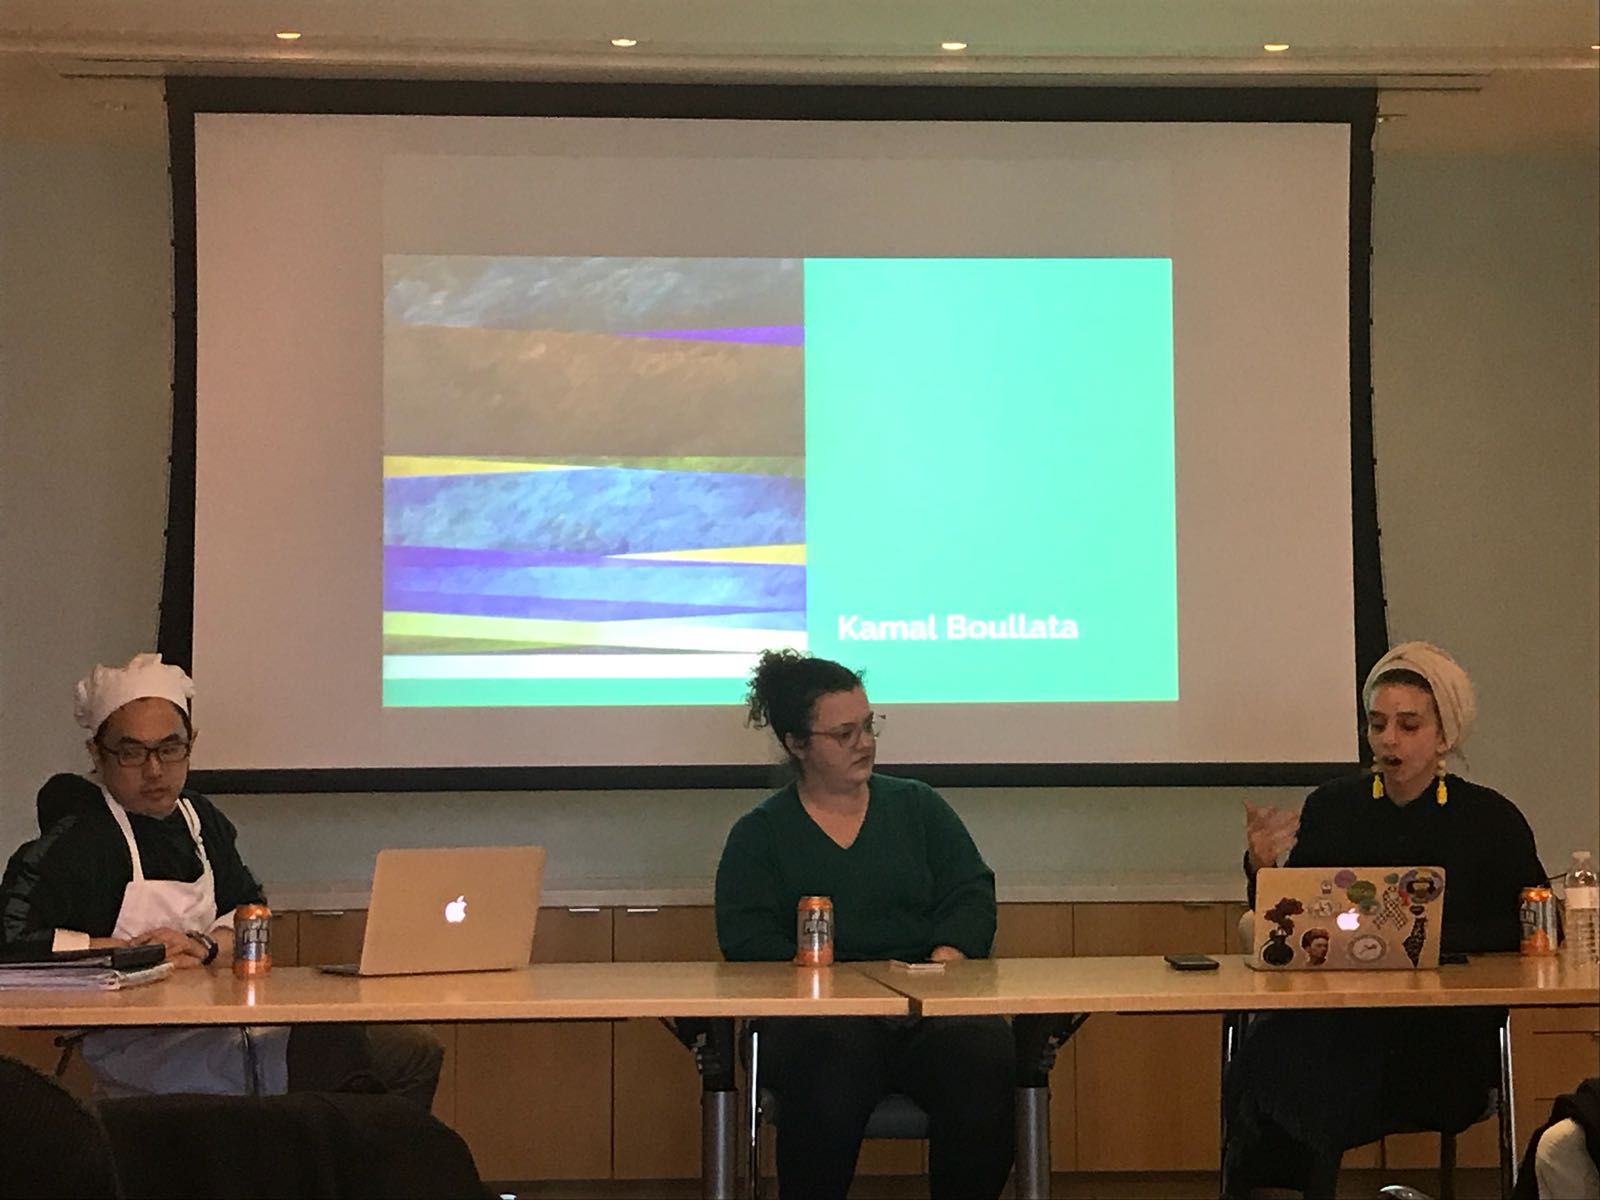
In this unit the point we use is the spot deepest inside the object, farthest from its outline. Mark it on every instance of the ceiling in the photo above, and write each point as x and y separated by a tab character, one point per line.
1460	76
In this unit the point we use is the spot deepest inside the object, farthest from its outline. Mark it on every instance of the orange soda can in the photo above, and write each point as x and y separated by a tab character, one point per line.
1538	921
814	932
252	940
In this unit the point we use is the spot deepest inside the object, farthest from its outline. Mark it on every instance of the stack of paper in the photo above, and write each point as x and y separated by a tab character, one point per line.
99	969
74	977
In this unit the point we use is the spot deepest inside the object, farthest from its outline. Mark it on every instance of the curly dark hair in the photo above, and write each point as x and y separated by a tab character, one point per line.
785	687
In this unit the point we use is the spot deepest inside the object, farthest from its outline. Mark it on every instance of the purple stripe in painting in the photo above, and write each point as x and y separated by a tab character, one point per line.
751	335
396	558
558	608
452	556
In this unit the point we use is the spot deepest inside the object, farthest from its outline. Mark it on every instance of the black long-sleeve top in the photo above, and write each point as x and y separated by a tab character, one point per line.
1479	837
73	874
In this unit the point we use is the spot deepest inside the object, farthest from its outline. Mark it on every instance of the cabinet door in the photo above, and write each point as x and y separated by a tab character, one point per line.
330	936
533	1099
285	939
572	935
655	1127
1045	931
1552	1050
1149	1085
1033	931
656	1089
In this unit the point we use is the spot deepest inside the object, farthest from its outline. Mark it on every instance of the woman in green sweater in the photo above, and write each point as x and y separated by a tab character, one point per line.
906	882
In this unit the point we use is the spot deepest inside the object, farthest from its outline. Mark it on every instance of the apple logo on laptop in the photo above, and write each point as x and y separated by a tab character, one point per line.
1350	919
456	911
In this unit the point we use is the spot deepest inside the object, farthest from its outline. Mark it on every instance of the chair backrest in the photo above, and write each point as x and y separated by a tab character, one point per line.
328	1144
54	1146
894	1116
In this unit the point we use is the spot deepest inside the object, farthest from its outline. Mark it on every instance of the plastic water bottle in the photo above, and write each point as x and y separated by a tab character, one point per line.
1583	910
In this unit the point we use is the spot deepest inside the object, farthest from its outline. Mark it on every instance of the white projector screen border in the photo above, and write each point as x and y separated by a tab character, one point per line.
189	97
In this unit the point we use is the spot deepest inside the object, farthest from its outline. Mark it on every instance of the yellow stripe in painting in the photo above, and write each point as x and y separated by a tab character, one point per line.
794	554
431	464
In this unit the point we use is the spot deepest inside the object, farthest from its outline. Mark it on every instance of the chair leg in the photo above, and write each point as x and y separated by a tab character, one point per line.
1233	1026
1447	1166
1505	1105
753	1117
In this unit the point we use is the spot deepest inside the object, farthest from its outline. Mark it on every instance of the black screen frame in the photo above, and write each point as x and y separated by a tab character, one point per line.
189	96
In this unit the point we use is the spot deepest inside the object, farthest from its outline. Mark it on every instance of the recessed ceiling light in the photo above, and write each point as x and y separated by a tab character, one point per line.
624	43
288	35
952	45
1274	47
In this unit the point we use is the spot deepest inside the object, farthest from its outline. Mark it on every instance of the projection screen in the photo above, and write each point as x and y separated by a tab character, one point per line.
510	433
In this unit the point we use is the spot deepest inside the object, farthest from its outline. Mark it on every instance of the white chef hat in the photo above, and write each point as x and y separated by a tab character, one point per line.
106	689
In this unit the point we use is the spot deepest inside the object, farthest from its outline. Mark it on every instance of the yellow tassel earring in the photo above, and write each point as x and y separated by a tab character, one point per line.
1441	794
1377	784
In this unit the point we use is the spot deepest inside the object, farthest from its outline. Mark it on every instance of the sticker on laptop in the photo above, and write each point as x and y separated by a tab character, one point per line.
1366	948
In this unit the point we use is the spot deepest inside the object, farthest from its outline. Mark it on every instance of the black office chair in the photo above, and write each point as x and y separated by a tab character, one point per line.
1497	1104
54	1145
895	1116
348	1146
1447	1149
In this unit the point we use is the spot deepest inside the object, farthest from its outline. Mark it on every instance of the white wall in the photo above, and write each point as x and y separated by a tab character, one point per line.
1485	311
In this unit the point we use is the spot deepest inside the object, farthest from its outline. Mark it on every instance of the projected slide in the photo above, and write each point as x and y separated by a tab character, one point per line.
614	481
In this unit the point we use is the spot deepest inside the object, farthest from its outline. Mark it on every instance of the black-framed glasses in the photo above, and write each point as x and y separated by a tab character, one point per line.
847	735
136	754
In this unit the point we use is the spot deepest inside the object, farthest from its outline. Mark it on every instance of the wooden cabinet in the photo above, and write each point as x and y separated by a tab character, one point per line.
1552	1050
286	939
533	1100
572	935
1033	931
329	936
1147	1085
655	1115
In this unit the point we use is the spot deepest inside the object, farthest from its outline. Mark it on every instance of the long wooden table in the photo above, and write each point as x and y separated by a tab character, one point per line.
547	992
703	1000
1050	997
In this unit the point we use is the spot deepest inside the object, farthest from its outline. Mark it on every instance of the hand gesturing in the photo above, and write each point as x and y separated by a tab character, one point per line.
1269	834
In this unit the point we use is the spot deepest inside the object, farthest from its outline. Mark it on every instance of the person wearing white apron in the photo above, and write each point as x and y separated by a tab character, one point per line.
128	857
213	1059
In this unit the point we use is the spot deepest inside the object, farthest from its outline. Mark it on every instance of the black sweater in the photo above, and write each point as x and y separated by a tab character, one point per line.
72	876
1479	837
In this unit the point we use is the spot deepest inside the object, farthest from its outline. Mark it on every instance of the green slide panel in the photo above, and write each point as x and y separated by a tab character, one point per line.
990	511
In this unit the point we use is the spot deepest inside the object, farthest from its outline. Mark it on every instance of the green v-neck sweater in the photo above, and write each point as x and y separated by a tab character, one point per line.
911	880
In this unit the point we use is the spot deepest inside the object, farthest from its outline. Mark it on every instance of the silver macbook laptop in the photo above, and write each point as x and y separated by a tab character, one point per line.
469	909
1347	918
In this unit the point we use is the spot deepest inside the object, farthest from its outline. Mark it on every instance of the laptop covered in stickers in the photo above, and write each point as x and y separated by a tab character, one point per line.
1348	918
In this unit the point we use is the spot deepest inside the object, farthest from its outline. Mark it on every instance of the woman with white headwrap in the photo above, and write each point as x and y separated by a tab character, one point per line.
1307	1086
